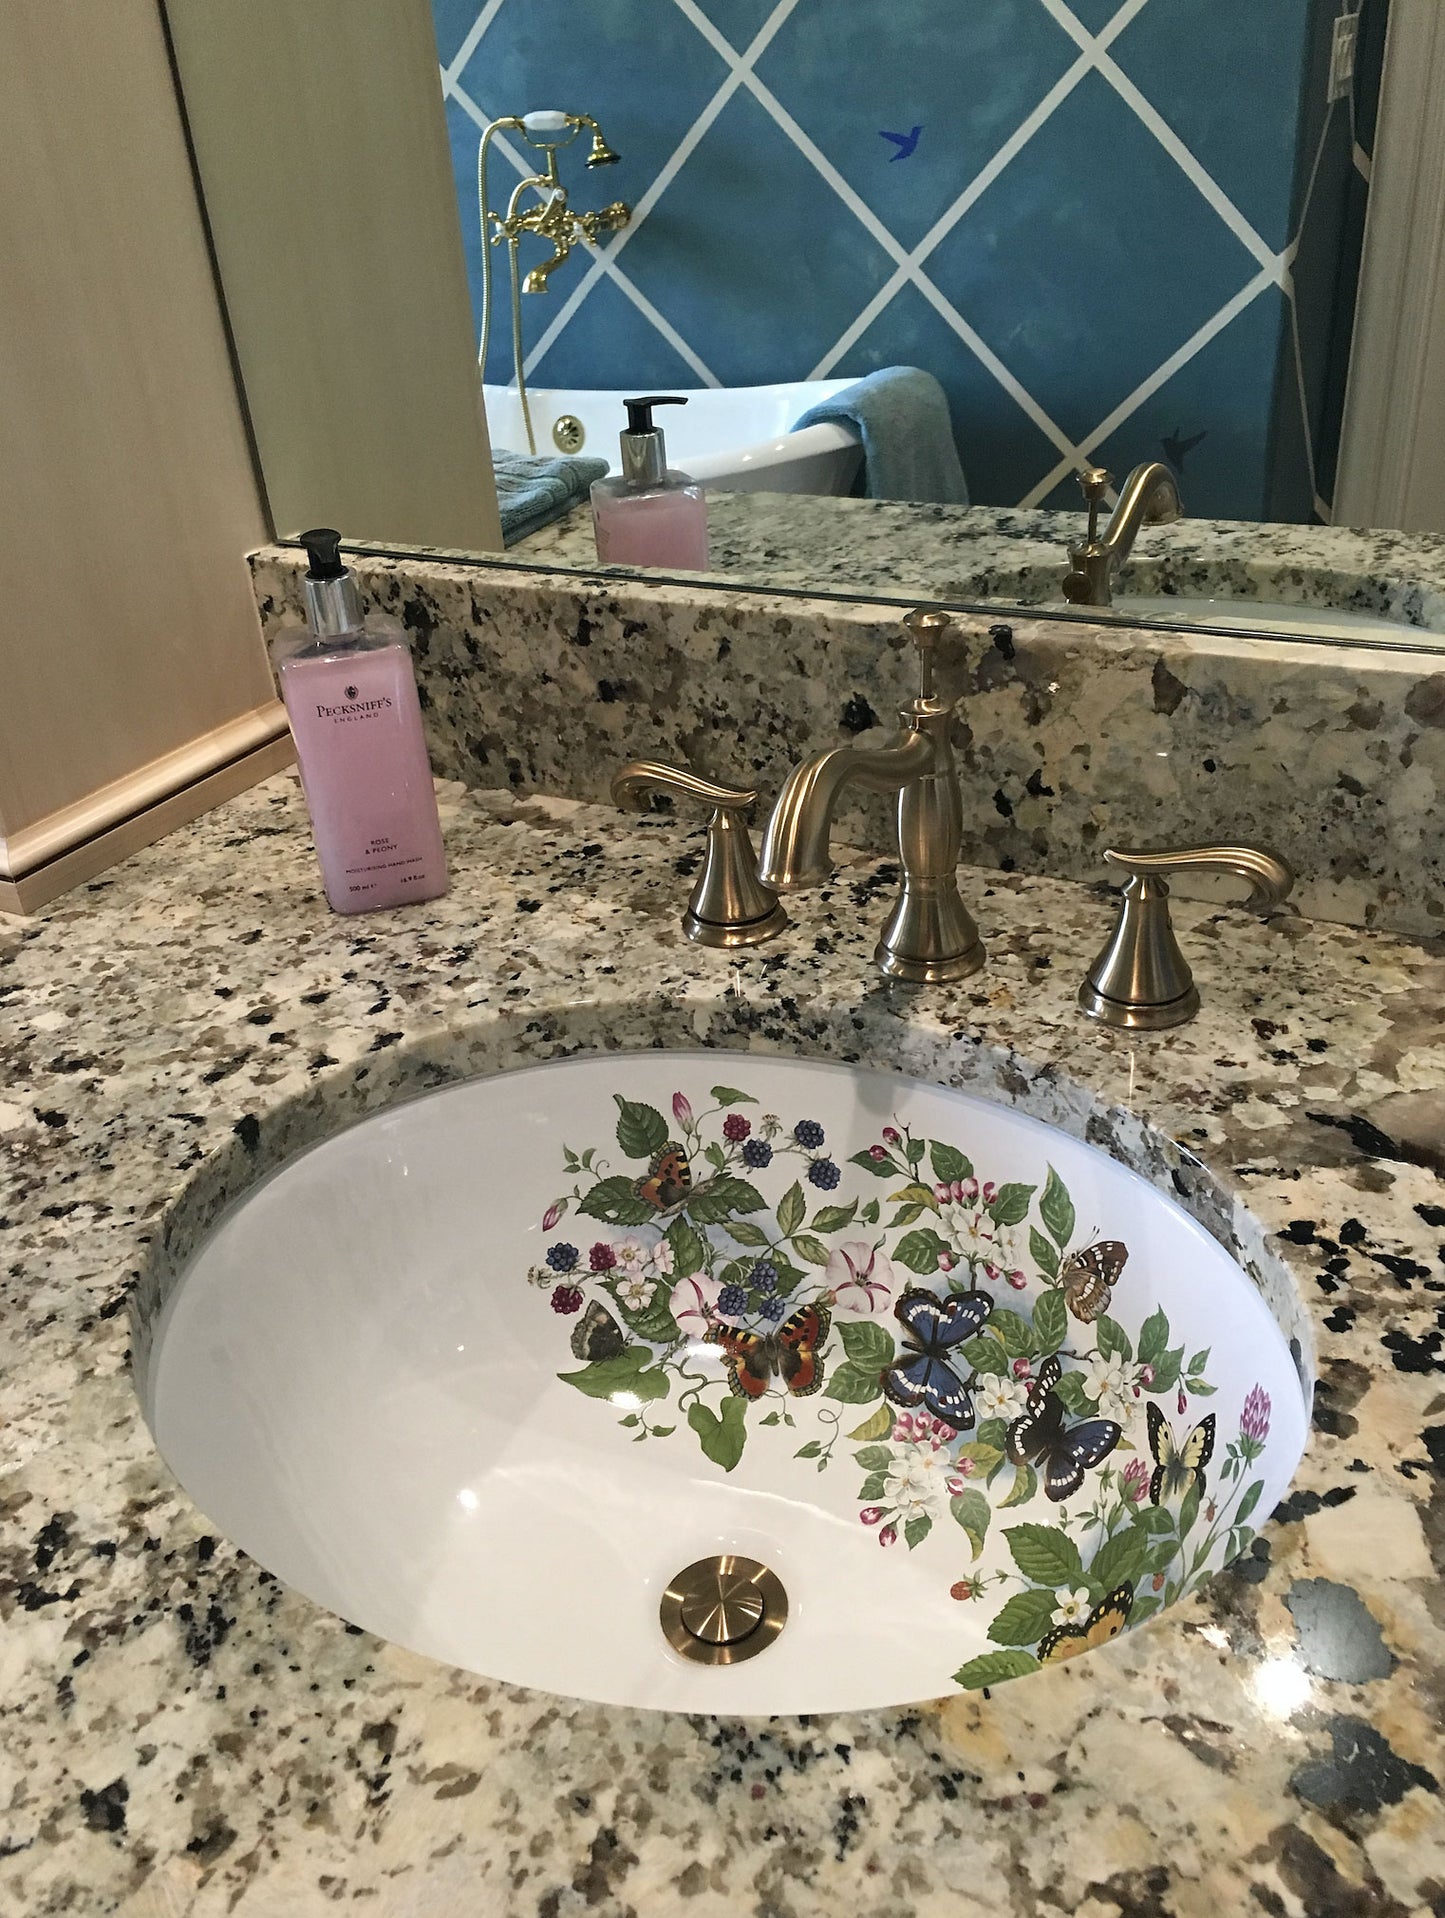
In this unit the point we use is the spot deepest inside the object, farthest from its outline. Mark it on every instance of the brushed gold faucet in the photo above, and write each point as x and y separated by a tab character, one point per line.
1149	495
552	220
929	936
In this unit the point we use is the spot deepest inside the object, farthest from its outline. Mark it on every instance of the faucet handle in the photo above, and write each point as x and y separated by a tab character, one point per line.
923	628
1141	980
730	906
1094	483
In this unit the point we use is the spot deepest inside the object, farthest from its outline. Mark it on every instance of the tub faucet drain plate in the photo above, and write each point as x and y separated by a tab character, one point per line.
719	1611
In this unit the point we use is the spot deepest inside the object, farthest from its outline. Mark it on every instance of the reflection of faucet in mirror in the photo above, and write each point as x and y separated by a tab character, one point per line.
552	220
1149	494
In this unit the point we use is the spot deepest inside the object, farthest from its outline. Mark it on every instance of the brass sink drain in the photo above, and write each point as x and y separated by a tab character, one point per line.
719	1611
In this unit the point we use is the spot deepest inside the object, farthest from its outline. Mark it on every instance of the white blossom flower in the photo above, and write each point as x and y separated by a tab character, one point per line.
635	1292
1002	1398
914	1483
630	1254
970	1229
659	1259
1070	1608
1106	1380
693	1303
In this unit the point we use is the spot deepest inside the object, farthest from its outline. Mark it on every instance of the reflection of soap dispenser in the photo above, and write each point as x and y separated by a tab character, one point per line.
350	695
649	517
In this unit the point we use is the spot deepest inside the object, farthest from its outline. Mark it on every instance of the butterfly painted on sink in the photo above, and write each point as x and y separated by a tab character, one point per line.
792	1353
925	1373
1177	1467
597	1335
1088	1278
668	1183
1041	1434
1106	1621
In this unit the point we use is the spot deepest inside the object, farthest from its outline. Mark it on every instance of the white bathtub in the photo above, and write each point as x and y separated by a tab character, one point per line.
736	439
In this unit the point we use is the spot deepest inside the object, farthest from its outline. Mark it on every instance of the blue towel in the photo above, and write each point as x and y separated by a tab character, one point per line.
908	448
533	490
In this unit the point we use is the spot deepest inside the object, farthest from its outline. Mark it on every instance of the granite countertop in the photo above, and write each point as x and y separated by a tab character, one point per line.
888	548
183	1735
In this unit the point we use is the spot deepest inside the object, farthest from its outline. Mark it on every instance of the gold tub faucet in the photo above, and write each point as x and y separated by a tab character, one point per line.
1149	495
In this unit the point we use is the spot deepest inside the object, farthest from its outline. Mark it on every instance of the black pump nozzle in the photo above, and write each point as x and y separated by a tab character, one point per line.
323	550
639	412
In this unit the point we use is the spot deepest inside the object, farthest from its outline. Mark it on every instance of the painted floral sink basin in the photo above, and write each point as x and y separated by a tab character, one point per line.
484	1373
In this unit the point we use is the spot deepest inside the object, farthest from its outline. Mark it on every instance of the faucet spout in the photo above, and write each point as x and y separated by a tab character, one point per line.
796	844
1150	496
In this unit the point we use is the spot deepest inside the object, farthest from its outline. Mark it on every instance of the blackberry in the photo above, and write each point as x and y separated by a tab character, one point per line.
809	1134
732	1301
567	1299
562	1258
736	1128
773	1309
757	1153
765	1276
823	1174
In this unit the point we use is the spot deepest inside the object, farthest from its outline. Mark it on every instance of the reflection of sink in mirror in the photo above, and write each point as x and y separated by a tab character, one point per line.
485	1373
737	439
1274	616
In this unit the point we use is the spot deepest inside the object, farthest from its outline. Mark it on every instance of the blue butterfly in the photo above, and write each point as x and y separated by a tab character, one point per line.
924	1374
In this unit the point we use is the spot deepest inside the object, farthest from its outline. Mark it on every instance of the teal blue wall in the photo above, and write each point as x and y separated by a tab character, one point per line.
1165	166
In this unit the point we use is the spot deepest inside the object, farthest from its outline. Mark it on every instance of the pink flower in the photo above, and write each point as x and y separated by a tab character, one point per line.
681	1110
602	1258
693	1303
990	1191
1254	1420
889	1535
968	1190
891	1137
903	1425
945	1261
1021	1368
1017	1280
942	1431
1135	1480
943	1192
1146	1376
551	1216
871	1514
1183	1402
877	1153
861	1269
955	1481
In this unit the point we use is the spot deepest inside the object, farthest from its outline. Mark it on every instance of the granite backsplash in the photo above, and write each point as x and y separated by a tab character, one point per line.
1072	737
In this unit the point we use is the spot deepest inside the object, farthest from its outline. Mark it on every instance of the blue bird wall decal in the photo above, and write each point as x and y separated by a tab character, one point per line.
905	143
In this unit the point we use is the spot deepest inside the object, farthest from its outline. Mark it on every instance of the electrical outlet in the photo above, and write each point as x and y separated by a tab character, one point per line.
1342	56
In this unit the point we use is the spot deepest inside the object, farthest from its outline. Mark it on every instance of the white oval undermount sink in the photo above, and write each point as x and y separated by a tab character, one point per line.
1275	616
486	1372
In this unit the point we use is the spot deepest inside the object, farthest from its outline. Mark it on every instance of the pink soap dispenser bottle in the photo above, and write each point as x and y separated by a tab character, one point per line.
650	516
350	694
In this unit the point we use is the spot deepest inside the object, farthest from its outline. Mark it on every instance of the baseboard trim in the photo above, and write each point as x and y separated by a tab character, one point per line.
73	867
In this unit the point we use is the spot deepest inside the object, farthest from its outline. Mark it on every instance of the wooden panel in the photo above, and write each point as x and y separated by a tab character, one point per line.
127	493
321	139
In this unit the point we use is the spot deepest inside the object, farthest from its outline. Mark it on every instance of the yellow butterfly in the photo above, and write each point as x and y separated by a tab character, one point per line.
1106	1621
1177	1466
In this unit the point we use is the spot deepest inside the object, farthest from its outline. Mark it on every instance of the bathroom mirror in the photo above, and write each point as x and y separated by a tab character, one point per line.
1116	233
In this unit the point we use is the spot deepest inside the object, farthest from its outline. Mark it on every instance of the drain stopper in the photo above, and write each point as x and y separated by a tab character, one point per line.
719	1611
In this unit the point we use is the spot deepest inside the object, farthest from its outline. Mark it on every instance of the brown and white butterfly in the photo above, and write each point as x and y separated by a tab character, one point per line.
1089	1278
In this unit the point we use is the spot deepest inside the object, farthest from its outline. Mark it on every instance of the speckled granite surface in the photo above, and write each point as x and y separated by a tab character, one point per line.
1072	737
182	1735
865	547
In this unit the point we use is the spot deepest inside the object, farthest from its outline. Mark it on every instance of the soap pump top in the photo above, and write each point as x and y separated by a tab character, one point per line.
333	600
644	451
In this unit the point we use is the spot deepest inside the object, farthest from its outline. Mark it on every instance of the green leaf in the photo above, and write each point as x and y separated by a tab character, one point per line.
879	1426
1153	1337
852	1384
809	1248
1023	1620
872	1488
631	1371
1014	1332
880	1168
1143	1608
1056	1209
983	1455
919	1250
1074	1399
730	1096
689	1249
985	1354
1042	1253
715	1203
663	1431
867	1343
1026	1483
972	1511
746	1233
949	1163
869	1214
773	1418
1166	1369
641	1130
915	1194
833	1218
917	1529
810	1450
722	1439
993	1668
792	1210
1011	1206
1200	1388
614	1201
913	1152
1199	1361
655	1321
874	1458
1155	1521
905	1215
1051	1323
1112	1338
992	1432
1046	1555
1249	1501
1119	1559
1188	1512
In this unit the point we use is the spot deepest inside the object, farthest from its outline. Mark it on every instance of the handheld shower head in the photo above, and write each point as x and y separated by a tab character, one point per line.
601	154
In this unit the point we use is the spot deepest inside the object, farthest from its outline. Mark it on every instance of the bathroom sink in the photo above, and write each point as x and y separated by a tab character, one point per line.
1270	616
716	1382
